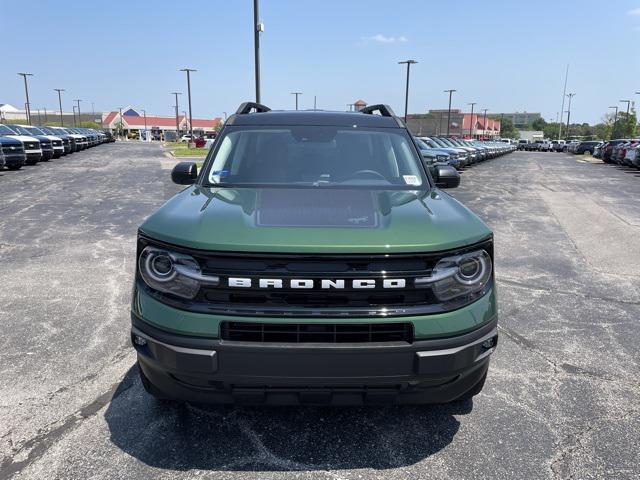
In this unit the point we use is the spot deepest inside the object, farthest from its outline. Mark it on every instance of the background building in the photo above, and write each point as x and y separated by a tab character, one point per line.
133	121
434	123
10	113
521	119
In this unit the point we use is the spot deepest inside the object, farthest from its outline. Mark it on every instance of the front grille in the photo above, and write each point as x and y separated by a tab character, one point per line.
12	149
33	145
316	332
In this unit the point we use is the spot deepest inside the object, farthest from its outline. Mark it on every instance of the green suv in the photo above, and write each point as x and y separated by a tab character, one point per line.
314	260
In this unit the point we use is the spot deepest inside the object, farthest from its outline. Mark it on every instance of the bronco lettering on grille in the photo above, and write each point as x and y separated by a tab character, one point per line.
306	283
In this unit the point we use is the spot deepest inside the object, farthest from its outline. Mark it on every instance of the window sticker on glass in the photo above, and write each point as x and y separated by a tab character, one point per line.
411	179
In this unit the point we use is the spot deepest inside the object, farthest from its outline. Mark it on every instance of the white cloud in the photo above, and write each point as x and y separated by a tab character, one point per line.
379	38
635	12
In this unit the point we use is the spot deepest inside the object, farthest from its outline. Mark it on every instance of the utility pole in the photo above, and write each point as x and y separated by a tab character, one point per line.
564	94
484	126
257	29
79	117
615	121
177	121
471	122
570	95
74	116
59	90
449	111
121	122
26	92
297	94
315	103
146	136
189	70
406	90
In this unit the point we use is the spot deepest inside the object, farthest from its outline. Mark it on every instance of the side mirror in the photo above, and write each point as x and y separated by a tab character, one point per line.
184	173
446	176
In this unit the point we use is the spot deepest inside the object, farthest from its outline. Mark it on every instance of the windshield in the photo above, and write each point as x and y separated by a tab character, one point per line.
315	156
4	130
19	130
34	131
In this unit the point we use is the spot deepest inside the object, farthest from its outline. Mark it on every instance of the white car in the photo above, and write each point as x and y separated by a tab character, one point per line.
186	138
32	147
56	142
80	140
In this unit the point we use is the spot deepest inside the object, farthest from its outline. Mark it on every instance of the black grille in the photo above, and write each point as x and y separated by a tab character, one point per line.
12	149
316	332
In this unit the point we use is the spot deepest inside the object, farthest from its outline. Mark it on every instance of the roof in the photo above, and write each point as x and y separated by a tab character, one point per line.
314	117
360	102
203	123
137	121
110	118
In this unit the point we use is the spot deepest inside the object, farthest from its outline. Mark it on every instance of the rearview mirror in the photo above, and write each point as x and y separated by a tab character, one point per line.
184	173
445	176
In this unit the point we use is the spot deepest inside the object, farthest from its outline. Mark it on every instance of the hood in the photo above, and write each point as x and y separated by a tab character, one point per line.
10	141
305	220
25	138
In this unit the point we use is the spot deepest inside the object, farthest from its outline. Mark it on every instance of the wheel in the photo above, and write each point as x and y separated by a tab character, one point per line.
476	389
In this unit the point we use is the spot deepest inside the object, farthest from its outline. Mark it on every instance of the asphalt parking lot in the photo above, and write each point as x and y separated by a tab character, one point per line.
562	399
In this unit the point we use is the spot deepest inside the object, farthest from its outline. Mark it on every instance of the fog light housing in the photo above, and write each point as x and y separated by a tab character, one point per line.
138	340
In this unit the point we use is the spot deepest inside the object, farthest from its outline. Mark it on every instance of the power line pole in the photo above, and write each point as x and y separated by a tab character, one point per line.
564	94
26	92
177	121
570	95
449	111
59	90
297	94
471	121
189	70
79	117
406	90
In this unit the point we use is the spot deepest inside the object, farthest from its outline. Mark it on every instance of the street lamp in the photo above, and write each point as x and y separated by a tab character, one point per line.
176	106
26	92
79	118
121	122
257	29
406	91
471	122
297	94
615	121
144	112
484	124
59	90
449	111
570	95
73	107
628	102
189	70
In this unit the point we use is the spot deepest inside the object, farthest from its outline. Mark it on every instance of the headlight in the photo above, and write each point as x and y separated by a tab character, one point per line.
171	272
459	275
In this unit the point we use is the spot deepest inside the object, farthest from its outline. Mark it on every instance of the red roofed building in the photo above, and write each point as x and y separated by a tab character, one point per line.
461	125
133	121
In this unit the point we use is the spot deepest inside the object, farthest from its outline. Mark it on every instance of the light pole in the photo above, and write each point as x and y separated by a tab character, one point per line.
45	115
26	92
74	115
484	124
59	90
449	111
471	122
93	109
177	121
121	122
564	94
225	116
406	90
297	94
146	137
615	121
38	110
189	70
257	29
79	118
570	95
315	102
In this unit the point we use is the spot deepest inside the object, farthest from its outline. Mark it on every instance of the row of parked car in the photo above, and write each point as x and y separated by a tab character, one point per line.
621	151
460	153
27	144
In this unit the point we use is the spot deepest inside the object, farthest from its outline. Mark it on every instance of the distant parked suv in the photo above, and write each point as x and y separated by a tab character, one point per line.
586	147
522	144
314	260
12	153
31	146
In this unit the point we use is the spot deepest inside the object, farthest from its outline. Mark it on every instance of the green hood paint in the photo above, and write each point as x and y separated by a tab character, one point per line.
227	219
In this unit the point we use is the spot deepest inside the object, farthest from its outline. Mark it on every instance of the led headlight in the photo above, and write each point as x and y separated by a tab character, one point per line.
171	272
459	275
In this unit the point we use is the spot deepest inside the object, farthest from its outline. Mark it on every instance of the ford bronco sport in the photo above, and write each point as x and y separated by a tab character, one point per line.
314	260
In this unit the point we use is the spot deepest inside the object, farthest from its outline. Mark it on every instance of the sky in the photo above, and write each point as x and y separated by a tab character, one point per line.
505	55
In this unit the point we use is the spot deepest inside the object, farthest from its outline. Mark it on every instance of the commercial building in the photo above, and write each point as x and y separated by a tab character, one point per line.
434	123
43	116
521	119
133	121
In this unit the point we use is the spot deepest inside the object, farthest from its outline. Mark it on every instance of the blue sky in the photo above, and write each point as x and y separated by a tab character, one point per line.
505	55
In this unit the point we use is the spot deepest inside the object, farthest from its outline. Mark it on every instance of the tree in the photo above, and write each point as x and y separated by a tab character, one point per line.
507	129
538	124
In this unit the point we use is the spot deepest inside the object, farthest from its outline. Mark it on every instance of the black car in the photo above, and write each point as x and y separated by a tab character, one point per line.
13	153
45	143
109	136
586	147
67	141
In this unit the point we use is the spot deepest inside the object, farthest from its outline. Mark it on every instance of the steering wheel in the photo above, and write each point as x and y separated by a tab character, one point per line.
368	174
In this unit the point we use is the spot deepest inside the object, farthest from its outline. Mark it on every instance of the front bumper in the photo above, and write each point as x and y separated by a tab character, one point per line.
14	160
218	371
33	156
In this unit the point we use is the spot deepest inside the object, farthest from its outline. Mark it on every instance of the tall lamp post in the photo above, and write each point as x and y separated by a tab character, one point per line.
176	106
189	70
26	93
79	118
297	94
484	124
449	111
146	136
615	121
406	90
120	123
471	121
570	95
59	90
74	115
257	29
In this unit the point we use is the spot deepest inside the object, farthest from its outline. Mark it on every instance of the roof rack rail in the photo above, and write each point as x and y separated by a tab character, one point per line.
385	110
246	107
